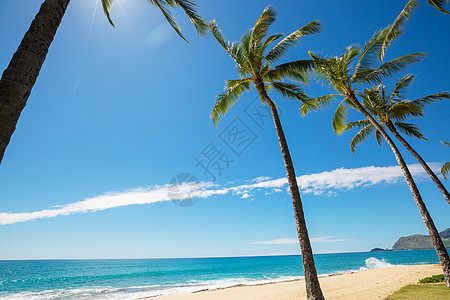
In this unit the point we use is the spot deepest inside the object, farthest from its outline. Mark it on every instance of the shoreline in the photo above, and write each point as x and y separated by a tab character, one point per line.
365	284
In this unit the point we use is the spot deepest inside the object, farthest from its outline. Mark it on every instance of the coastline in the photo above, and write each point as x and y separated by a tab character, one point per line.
368	284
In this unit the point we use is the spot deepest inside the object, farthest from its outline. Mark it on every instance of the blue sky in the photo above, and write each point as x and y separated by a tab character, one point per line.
119	112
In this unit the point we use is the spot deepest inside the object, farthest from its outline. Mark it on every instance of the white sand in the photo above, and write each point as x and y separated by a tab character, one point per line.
371	284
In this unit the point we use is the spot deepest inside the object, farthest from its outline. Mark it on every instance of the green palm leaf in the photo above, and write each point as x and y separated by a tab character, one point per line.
388	69
289	90
424	101
357	124
361	136
400	87
340	117
409	129
397	27
403	110
164	6
371	47
262	25
233	49
445	170
291	40
107	4
280	74
316	103
226	100
439	5
271	39
190	8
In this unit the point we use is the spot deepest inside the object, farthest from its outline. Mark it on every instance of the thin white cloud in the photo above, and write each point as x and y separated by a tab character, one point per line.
292	241
325	183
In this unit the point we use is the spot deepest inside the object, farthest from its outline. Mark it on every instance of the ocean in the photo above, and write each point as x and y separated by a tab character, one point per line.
137	278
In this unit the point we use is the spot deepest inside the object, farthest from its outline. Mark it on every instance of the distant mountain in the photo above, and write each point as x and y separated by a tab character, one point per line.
420	242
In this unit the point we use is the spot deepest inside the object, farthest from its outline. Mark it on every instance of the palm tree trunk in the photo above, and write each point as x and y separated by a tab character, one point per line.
313	290
422	162
432	231
19	77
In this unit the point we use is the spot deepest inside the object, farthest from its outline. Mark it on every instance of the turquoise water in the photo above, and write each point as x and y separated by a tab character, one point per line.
137	278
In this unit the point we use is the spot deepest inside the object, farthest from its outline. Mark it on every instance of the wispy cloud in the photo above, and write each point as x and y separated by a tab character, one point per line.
324	183
292	241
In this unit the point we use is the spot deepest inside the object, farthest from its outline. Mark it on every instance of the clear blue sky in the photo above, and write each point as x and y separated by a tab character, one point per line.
115	110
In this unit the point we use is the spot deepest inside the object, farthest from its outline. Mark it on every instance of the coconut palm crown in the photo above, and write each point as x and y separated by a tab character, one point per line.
337	72
254	62
392	110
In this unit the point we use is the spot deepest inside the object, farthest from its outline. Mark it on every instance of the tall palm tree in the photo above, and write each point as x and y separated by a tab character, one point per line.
337	73
446	167
255	64
20	76
391	111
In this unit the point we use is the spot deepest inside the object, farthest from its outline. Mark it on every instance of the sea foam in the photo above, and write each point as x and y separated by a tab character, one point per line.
375	263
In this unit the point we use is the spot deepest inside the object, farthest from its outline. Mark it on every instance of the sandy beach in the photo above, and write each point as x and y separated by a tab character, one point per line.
370	284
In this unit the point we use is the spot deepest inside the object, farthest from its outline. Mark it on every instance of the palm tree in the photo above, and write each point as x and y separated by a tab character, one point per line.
255	65
337	73
20	76
390	111
446	167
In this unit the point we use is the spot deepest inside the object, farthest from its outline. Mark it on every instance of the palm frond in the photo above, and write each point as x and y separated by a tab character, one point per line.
424	101
445	170
294	70
357	124
397	27
289	90
439	5
400	87
190	8
258	33
281	74
263	23
409	129
291	40
340	117
316	103
164	6
388	69
107	4
361	136
379	138
233	49
371	47
402	110
271	39
226	100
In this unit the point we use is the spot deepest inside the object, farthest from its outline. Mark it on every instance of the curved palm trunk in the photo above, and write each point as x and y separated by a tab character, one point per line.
313	290
19	77
433	232
422	162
